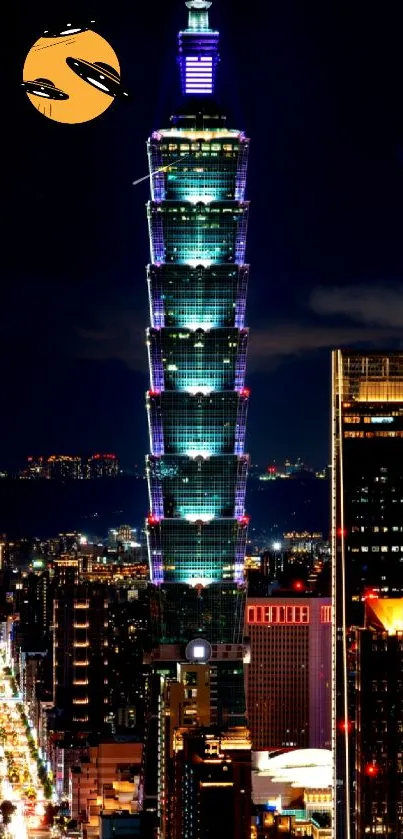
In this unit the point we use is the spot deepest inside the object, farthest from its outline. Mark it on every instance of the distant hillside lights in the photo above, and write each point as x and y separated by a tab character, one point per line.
292	470
72	467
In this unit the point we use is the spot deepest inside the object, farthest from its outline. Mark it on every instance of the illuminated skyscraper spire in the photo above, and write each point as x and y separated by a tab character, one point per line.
198	14
197	401
198	51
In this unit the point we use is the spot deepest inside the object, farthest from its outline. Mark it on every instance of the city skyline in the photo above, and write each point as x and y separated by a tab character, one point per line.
366	589
228	658
327	164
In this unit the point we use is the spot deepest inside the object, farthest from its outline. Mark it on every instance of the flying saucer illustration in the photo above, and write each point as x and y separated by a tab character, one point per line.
67	29
44	88
71	74
99	75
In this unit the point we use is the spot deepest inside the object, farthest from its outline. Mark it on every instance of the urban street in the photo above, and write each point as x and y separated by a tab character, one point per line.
23	795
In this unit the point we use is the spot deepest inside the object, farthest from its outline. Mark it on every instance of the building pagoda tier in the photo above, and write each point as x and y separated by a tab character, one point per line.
197	343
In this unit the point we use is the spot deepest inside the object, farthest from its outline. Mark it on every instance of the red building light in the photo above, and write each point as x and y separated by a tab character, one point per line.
370	594
272	470
325	614
154	392
281	614
371	770
297	585
103	457
244	520
152	520
346	726
245	392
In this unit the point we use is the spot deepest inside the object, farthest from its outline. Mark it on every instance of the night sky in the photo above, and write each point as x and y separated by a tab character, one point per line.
318	88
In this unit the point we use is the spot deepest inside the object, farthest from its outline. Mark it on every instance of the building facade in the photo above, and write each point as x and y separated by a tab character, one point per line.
367	552
105	779
212	785
288	677
201	765
197	401
80	657
378	722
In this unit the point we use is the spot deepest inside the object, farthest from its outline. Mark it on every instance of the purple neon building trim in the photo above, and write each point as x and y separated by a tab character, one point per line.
157	500
240	427
240	489
197	281
198	54
155	363
240	366
155	426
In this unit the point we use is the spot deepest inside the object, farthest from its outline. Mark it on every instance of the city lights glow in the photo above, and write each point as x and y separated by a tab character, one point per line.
20	763
301	768
194	389
200	199
194	582
194	325
388	614
194	453
204	263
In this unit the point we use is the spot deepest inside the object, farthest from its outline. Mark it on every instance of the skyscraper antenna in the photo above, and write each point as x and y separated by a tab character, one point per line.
198	51
198	4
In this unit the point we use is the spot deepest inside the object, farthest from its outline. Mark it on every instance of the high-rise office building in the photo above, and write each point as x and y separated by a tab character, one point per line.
102	466
204	774
367	553
80	657
197	401
288	677
63	466
129	634
212	785
67	466
378	723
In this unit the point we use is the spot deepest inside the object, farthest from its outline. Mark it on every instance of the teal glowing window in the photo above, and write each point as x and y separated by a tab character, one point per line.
208	171
194	298
198	234
199	552
181	423
197	361
198	488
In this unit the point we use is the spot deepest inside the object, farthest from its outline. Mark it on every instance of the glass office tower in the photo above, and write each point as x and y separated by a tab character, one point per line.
197	401
367	555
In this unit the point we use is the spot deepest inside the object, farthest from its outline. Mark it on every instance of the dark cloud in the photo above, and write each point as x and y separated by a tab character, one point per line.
297	338
377	305
118	333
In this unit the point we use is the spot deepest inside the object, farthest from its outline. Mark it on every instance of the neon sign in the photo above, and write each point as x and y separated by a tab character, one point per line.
288	615
325	614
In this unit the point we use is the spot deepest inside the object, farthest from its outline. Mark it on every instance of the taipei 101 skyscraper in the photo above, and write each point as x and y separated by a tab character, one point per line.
197	401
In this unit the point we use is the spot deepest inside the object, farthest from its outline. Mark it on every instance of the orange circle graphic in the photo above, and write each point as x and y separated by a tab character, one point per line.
72	78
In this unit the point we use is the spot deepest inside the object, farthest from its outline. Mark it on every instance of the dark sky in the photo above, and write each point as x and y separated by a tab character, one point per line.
318	88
